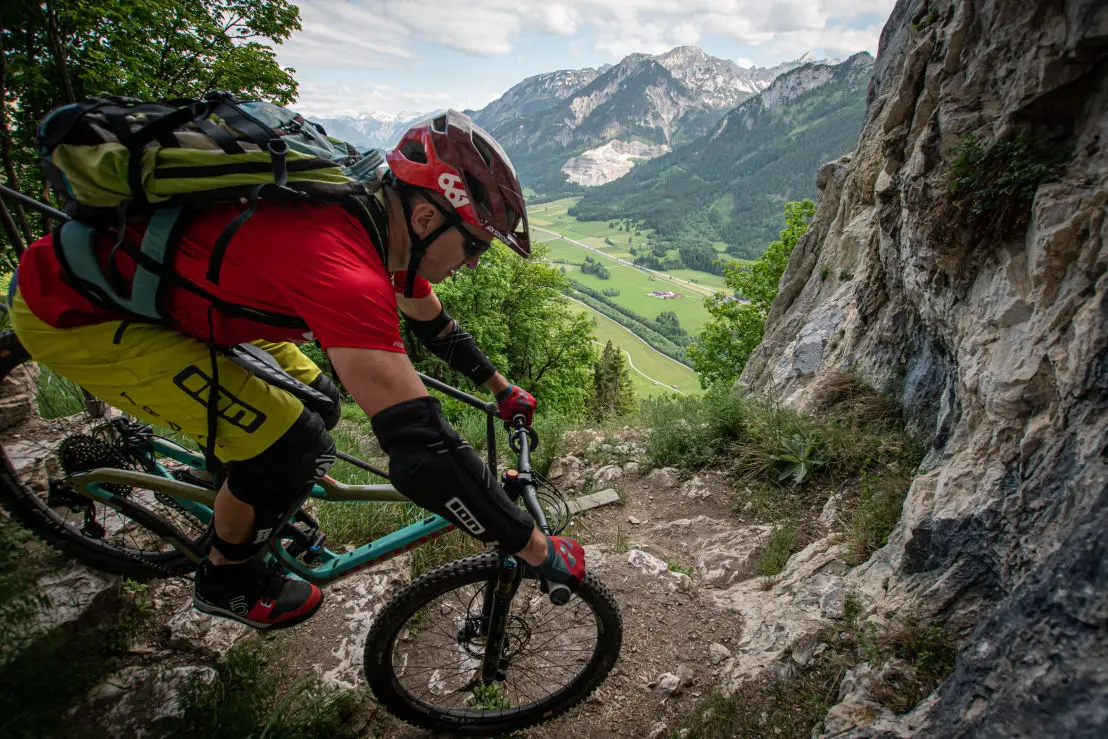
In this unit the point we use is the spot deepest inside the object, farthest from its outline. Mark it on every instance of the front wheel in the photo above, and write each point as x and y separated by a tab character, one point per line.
423	655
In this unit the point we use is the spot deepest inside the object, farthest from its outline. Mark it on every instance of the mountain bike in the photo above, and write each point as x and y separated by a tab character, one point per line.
475	646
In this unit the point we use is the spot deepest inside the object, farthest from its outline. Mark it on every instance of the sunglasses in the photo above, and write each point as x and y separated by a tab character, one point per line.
474	247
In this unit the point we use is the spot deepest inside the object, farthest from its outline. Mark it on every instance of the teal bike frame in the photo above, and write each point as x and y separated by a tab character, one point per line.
199	501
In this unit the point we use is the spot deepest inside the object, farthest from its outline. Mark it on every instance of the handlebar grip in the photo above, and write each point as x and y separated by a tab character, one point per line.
559	594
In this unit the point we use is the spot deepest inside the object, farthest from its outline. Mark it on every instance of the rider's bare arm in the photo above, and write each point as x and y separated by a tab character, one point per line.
428	462
428	309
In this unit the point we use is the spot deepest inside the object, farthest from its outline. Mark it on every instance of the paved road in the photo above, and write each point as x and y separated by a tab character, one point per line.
701	291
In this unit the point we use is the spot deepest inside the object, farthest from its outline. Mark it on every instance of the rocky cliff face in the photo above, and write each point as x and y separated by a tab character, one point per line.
997	346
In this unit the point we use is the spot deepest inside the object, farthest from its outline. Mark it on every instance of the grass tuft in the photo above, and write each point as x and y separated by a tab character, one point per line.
777	552
243	702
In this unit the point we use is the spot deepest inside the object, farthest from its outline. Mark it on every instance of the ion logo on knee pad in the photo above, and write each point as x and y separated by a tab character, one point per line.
467	519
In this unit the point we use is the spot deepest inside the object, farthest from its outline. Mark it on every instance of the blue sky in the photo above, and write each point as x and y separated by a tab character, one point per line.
392	56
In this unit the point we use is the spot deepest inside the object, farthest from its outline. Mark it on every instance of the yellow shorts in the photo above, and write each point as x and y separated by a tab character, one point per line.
162	376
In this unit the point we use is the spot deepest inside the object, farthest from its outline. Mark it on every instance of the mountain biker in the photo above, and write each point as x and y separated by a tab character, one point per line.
448	192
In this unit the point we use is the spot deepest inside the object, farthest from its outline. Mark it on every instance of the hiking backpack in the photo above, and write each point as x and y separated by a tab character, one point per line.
116	159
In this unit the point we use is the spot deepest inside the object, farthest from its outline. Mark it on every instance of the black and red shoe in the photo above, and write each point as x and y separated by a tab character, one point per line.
255	595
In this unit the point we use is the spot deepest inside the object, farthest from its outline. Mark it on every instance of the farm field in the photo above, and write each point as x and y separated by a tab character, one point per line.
700	278
658	366
634	287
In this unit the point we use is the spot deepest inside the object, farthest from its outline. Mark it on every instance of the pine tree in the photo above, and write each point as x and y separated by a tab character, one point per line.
612	393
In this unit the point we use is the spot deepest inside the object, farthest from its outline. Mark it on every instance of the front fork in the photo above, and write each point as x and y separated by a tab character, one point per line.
495	612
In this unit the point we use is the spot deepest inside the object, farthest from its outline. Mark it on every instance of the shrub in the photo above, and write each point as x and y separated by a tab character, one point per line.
994	186
689	432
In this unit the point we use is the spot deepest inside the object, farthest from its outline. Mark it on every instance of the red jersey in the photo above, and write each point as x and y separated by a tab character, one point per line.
314	262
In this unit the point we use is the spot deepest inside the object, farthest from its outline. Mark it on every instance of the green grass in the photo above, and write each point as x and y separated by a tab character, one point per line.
243	702
778	550
634	288
882	499
657	365
856	443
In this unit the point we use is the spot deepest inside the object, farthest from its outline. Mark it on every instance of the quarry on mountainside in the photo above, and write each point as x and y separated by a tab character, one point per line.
609	162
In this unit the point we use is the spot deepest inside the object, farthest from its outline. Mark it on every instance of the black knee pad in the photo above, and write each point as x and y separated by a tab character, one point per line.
324	385
283	474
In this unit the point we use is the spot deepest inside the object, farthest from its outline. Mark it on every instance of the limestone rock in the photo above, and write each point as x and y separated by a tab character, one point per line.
130	701
647	563
679	582
211	636
786	619
717	653
631	468
993	340
664	477
605	475
657	730
667	684
567	472
829	516
695	487
347	619
731	556
831	602
594	500
76	596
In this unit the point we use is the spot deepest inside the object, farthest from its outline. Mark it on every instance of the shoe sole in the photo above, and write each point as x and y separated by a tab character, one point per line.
212	610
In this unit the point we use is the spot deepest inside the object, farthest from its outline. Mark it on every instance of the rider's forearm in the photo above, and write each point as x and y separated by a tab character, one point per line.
497	383
448	341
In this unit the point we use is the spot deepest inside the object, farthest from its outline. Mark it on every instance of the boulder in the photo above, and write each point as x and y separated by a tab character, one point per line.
664	477
604	476
647	563
731	556
567	472
131	701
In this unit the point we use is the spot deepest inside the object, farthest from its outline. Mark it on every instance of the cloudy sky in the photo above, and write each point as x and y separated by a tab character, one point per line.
391	56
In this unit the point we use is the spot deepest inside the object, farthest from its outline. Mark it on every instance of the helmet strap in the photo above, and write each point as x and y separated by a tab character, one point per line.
419	245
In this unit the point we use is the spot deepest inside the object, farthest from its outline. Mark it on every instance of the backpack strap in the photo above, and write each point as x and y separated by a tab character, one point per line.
75	245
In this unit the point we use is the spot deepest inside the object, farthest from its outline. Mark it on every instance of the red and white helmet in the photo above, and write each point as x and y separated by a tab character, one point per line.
450	154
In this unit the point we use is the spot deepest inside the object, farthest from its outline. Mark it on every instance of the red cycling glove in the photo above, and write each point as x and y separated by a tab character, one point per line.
564	567
514	401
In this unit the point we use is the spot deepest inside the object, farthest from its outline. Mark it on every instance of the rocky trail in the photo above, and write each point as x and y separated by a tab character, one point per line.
672	551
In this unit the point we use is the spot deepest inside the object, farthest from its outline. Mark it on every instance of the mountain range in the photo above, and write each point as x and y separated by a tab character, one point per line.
730	184
659	99
697	148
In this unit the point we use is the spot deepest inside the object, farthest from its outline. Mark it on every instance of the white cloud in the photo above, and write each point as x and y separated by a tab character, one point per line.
374	33
327	101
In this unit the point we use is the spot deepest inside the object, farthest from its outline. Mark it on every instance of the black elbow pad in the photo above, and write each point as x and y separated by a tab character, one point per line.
457	348
438	470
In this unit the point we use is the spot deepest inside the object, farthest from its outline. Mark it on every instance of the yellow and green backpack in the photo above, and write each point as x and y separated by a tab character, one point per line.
114	160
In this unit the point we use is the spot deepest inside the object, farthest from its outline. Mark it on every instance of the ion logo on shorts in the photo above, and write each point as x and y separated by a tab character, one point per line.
466	518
